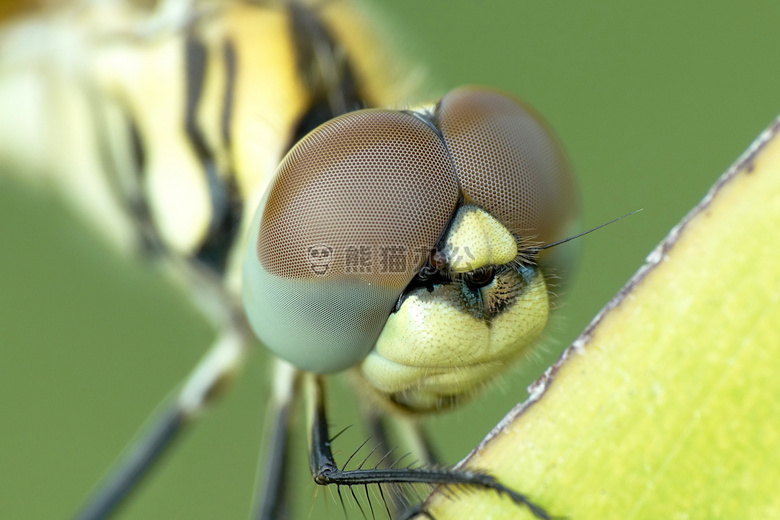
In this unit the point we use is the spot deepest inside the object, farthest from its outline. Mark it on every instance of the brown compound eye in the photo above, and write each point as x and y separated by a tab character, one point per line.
348	221
509	162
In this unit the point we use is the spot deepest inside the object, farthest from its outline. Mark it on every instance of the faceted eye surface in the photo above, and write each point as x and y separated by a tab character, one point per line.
508	162
347	223
373	179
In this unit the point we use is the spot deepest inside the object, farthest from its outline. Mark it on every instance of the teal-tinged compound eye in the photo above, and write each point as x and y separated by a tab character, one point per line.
376	188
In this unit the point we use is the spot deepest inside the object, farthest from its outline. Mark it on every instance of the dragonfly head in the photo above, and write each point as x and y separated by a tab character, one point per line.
405	243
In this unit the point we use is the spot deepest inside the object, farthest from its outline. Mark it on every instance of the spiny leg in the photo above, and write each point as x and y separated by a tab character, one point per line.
411	434
325	471
376	423
271	501
178	411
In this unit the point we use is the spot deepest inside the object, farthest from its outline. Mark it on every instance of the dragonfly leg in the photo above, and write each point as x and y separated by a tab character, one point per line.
166	425
411	433
325	471
271	501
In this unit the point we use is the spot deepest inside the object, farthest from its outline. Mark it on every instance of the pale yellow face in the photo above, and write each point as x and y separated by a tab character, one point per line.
451	340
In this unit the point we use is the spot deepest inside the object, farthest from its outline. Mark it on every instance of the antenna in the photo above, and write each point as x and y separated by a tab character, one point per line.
559	242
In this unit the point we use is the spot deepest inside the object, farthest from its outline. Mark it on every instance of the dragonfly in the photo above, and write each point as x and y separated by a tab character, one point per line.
186	174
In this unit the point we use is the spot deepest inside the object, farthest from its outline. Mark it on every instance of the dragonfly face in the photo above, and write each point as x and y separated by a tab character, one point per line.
428	219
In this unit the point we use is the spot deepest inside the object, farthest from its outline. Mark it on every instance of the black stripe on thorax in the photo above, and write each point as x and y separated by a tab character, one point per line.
125	180
226	204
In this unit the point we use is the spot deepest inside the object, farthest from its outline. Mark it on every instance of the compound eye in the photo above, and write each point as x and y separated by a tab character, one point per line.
348	221
509	162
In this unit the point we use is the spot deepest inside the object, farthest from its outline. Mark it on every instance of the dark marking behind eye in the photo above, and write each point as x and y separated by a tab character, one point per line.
324	68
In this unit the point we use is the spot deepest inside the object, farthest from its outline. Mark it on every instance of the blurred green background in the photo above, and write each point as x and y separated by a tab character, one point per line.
652	100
